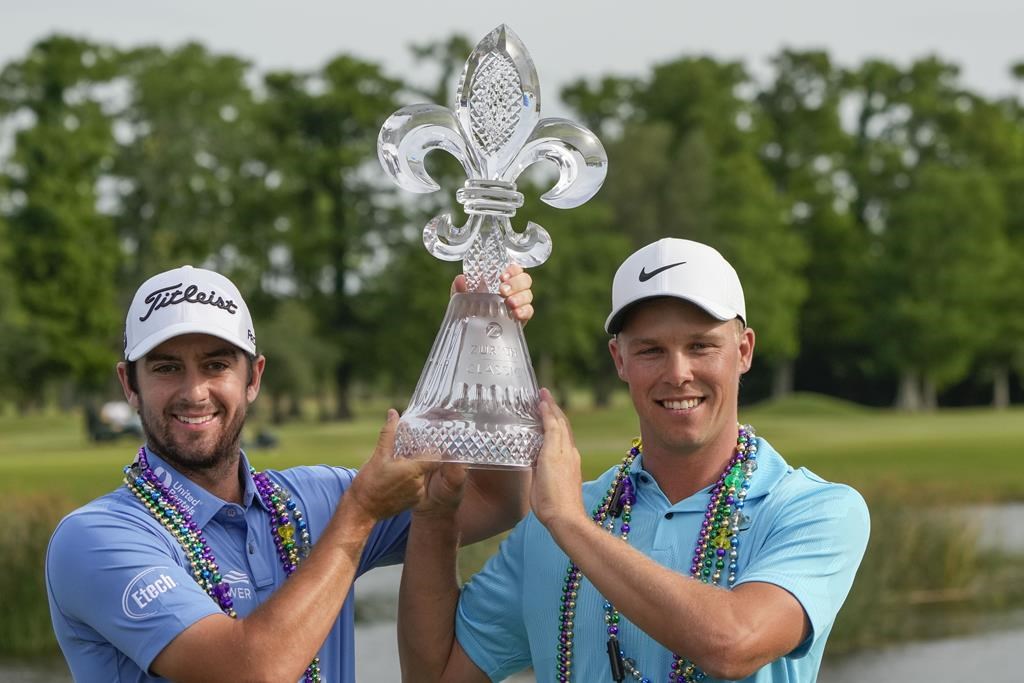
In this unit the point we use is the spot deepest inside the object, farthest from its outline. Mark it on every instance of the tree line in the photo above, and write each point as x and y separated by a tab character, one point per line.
875	214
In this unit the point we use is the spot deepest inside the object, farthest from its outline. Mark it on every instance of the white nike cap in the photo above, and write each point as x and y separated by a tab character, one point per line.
186	300
678	268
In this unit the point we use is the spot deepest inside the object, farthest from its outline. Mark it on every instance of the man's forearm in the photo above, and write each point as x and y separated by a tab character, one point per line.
494	501
729	634
280	638
428	597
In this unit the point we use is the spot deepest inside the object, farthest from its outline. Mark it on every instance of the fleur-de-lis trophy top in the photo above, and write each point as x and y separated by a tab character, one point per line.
476	400
496	133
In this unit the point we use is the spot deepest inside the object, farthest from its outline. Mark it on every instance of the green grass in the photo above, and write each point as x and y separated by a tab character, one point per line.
949	456
961	455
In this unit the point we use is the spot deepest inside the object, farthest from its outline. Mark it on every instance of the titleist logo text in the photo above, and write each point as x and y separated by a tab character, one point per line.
169	296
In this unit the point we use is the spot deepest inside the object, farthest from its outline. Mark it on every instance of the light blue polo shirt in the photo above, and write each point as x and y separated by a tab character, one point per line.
804	534
119	585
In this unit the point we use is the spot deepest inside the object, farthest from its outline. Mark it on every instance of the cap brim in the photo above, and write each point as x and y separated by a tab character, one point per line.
177	330
613	324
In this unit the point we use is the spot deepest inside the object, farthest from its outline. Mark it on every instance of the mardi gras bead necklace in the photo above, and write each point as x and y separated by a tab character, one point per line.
714	554
285	522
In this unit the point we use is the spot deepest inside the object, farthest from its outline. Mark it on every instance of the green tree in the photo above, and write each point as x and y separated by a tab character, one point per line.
295	356
186	163
686	165
916	121
702	94
573	295
328	217
806	155
997	130
604	105
1004	352
938	282
402	307
656	188
63	249
14	344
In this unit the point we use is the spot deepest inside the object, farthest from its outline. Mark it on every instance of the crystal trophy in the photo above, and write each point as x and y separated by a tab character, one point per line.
476	399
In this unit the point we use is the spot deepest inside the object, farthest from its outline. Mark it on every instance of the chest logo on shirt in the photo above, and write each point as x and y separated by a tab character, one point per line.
142	592
189	501
164	476
241	586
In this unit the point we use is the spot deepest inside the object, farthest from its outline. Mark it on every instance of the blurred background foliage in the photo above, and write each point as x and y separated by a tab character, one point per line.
875	213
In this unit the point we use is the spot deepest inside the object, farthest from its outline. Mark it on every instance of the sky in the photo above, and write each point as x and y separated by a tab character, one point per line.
567	38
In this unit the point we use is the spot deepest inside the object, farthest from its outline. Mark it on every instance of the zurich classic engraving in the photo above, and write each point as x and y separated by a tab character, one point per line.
486	359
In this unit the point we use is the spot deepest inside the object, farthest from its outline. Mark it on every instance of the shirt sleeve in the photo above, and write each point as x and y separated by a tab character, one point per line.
109	574
814	551
321	488
387	542
489	621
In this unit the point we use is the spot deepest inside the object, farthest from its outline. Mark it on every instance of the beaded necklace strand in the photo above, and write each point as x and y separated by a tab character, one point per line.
716	550
285	522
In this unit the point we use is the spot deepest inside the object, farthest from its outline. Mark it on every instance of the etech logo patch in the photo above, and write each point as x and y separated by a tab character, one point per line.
140	595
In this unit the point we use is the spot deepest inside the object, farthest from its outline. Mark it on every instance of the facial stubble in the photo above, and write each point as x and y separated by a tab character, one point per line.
226	447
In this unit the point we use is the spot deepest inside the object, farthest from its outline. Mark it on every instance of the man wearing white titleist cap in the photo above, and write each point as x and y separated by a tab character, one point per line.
199	568
701	556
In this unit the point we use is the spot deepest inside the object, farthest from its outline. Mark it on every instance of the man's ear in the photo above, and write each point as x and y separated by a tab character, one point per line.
747	339
129	393
253	390
613	348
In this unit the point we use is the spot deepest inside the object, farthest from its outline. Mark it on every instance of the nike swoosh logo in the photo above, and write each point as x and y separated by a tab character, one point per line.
645	276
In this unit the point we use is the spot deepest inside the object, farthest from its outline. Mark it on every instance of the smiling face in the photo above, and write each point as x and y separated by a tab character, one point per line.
193	394
683	369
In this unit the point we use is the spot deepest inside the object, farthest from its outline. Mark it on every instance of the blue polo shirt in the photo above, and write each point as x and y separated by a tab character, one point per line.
119	585
804	534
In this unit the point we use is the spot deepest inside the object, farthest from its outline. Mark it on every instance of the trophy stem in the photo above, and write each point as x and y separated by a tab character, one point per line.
476	400
487	257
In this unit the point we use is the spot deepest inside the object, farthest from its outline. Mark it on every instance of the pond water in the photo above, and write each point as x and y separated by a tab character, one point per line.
999	526
985	657
955	660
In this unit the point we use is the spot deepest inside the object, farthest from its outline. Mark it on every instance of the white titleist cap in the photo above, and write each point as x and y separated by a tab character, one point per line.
183	301
678	268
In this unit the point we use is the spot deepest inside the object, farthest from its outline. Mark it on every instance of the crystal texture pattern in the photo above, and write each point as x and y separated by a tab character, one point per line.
476	400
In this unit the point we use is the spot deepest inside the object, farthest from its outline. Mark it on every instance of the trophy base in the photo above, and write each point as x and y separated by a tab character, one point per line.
476	401
508	447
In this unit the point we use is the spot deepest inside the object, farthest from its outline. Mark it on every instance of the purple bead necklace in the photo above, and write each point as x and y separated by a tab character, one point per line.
285	522
716	550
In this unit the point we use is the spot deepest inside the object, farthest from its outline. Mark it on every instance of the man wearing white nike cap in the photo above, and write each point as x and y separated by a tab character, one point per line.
701	556
201	568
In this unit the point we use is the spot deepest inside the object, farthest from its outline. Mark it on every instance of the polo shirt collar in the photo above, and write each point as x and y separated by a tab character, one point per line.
199	502
771	468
